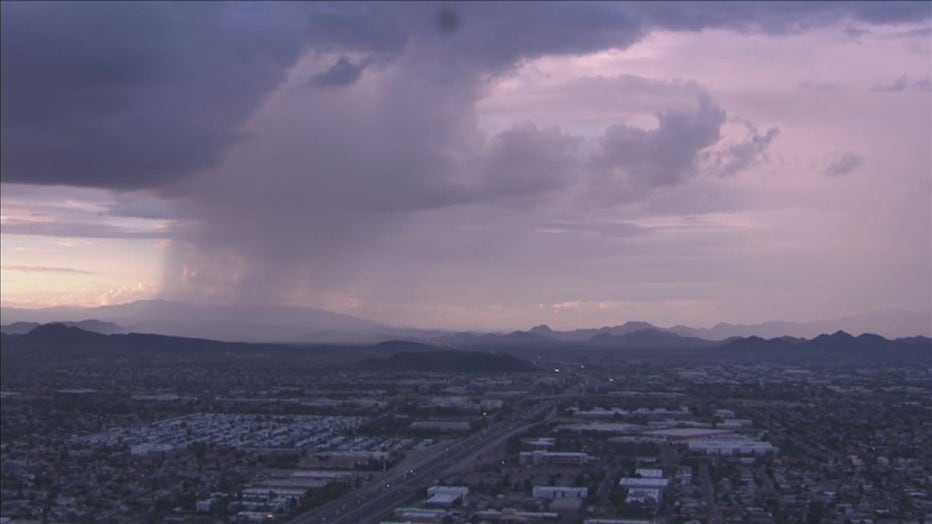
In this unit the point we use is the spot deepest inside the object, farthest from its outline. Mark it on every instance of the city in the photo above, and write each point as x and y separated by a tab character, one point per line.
590	435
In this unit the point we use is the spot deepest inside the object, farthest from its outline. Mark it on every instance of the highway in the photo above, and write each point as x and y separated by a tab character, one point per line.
383	493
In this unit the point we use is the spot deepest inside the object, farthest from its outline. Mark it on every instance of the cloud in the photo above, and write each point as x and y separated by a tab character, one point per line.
904	83
341	73
900	84
737	157
345	171
844	164
782	17
631	161
141	206
291	189
923	84
525	160
79	230
126	293
46	269
160	91
154	93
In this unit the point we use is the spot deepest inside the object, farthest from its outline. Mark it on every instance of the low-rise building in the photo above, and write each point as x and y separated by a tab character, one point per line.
559	492
731	447
565	458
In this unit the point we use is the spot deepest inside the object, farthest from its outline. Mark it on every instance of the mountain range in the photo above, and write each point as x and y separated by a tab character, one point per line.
56	343
287	324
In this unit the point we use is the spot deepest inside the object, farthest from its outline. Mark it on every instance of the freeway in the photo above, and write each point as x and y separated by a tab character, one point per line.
385	492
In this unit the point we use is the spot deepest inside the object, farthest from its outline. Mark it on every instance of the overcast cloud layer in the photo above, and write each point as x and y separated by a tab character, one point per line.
482	165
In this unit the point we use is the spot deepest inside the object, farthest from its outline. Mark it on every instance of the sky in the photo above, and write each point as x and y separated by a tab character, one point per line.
471	165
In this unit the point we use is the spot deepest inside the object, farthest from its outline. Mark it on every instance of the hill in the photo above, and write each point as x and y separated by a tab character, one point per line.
97	326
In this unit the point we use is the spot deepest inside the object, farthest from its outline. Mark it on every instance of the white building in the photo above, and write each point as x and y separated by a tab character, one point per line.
643	495
637	482
446	496
652	473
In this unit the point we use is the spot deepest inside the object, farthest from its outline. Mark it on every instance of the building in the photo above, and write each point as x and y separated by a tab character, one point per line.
419	514
650	473
553	458
559	492
540	442
679	434
637	482
643	496
446	496
731	447
512	516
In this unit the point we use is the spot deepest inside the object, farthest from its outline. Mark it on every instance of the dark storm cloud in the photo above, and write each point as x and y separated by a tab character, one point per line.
777	17
448	21
137	95
131	95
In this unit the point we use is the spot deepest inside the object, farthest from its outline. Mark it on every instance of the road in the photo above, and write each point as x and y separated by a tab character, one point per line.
385	492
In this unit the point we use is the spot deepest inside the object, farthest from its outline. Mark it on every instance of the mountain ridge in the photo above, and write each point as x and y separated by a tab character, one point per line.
291	324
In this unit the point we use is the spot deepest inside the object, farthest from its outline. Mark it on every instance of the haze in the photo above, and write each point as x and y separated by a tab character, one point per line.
471	165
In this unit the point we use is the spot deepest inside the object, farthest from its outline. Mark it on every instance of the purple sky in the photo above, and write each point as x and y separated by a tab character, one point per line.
472	165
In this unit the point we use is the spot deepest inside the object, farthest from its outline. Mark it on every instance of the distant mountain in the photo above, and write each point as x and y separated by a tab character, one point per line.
56	343
219	322
889	323
581	335
839	348
542	334
63	335
97	326
886	323
450	362
649	338
18	328
286	324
